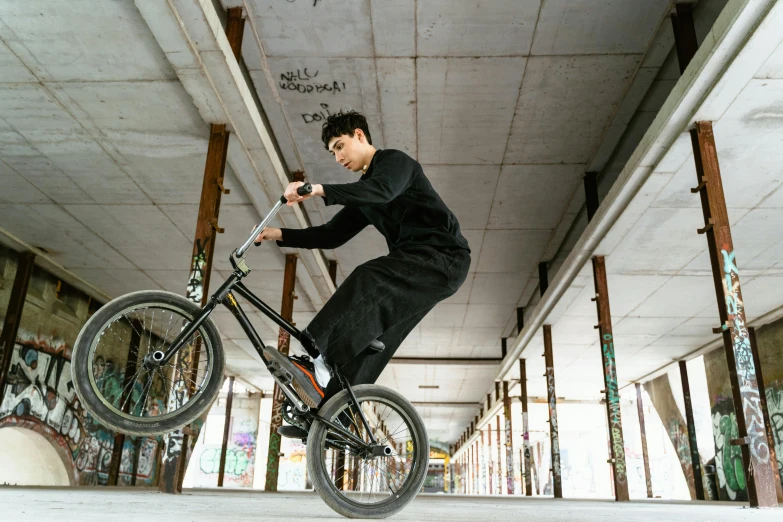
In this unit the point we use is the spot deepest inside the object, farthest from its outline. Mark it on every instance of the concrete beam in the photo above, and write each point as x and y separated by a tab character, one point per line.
191	35
720	69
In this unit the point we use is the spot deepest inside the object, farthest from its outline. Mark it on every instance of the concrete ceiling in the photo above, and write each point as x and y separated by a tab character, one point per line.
103	134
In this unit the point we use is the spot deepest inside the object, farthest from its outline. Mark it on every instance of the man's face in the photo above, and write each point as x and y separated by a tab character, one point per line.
349	151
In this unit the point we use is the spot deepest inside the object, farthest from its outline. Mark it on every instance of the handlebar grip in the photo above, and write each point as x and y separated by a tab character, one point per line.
302	191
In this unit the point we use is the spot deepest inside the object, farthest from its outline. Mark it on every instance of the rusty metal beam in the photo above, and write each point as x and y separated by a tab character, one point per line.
765	411
173	467
611	390
591	194
525	427
130	372
685	40
283	344
500	457
226	432
491	468
553	426
509	440
645	456
13	316
692	442
742	372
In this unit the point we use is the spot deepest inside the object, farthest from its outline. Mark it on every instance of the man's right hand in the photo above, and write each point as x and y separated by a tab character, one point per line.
269	234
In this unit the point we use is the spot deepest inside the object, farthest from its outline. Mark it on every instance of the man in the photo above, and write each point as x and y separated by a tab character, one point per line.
361	326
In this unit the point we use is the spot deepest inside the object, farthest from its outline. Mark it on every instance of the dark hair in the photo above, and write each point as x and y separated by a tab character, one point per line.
344	123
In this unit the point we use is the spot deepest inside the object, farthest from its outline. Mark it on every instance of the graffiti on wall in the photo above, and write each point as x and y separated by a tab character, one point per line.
728	457
775	408
40	393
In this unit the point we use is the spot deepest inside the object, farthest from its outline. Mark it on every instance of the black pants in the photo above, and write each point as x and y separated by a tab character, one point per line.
384	299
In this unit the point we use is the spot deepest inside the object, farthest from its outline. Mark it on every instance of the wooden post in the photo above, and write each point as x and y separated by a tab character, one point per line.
645	456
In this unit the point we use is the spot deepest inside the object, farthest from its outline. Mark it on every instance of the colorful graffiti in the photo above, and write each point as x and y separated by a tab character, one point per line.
613	406
553	428
775	409
40	392
728	457
746	370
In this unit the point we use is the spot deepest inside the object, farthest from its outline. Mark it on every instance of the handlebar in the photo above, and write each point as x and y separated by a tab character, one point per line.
302	191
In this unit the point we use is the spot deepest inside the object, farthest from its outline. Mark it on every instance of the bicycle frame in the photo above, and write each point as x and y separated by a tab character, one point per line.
225	295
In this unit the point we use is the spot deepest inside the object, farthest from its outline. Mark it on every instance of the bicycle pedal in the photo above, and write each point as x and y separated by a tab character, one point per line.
281	373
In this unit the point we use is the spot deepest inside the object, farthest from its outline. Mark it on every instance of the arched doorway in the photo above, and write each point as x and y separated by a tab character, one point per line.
29	459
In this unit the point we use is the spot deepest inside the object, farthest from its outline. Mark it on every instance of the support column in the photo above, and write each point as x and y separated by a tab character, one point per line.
174	462
765	410
226	431
491	470
509	440
283	342
482	464
557	486
742	372
611	391
685	41
525	428
130	373
695	459
500	457
552	402
645	456
24	271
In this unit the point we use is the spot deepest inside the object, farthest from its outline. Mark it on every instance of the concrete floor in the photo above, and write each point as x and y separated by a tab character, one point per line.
86	504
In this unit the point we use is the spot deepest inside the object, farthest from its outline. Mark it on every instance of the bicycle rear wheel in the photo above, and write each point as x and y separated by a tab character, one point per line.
124	394
358	485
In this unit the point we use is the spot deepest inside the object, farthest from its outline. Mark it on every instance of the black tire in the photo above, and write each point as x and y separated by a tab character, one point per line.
145	426
317	443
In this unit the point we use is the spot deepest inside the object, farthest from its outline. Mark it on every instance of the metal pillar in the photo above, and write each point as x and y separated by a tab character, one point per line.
742	372
490	466
645	456
765	411
684	35
591	194
552	401
695	459
500	457
525	428
130	372
174	462
509	440
226	431
173	465
24	271
482	464
611	391
543	284
283	342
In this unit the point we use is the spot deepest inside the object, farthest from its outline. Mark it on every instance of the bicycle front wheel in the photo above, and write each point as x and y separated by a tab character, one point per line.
354	483
124	394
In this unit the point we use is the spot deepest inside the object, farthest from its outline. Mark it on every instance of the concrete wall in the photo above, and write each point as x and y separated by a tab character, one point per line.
662	397
40	396
728	458
29	459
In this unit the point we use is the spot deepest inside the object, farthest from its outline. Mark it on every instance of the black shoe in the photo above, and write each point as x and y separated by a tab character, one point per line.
299	371
292	432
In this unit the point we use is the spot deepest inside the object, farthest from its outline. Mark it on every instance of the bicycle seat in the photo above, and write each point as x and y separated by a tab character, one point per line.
376	346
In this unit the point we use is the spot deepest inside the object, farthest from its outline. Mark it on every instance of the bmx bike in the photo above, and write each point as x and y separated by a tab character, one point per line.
151	362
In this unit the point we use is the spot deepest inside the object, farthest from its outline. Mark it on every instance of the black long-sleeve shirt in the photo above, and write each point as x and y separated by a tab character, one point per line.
393	195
